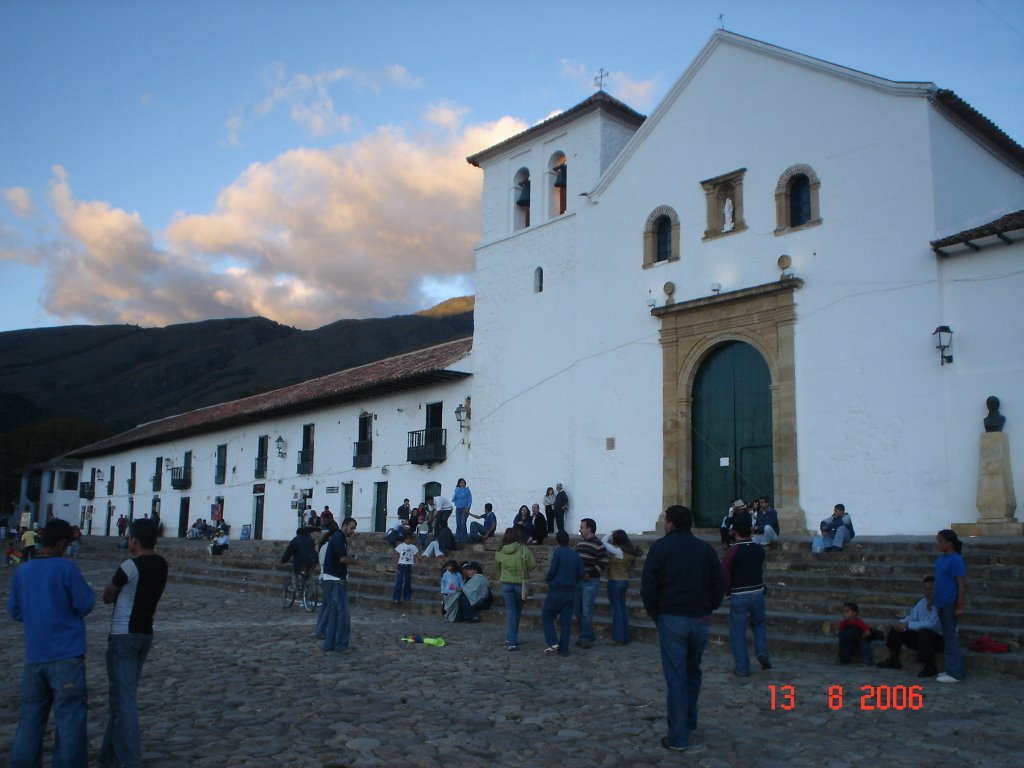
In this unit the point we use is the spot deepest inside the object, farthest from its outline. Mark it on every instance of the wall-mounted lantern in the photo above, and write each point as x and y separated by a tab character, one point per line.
944	341
463	415
282	446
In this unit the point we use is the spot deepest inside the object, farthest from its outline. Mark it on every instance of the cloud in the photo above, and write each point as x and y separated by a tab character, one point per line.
378	226
309	98
20	202
233	127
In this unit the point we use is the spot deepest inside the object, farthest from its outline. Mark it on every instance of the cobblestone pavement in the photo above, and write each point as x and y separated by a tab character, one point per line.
235	680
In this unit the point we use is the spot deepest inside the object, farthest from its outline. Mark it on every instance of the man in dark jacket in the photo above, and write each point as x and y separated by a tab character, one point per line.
301	552
682	584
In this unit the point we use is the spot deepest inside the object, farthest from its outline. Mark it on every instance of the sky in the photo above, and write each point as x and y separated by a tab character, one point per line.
165	162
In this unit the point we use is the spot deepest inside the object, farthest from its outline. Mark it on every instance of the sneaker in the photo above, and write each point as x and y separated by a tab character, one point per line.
928	670
891	663
946	678
692	748
583	643
551	649
765	662
513	647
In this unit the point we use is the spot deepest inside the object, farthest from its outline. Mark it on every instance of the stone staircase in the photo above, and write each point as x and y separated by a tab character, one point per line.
883	575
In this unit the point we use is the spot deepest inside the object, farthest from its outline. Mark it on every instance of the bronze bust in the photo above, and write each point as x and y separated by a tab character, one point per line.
995	420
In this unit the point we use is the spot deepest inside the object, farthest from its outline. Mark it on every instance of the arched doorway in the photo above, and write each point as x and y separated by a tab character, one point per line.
731	431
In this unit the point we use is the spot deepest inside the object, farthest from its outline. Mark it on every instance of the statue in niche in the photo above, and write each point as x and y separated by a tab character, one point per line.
995	420
727	220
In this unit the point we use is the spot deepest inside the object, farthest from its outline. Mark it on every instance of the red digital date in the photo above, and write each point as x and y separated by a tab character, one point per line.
879	698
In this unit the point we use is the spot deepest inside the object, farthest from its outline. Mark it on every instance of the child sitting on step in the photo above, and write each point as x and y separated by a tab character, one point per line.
854	633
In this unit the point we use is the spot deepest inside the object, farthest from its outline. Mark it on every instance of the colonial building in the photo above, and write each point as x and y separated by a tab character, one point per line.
737	296
342	440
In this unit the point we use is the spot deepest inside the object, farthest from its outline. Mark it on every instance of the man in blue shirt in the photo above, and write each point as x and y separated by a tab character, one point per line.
919	630
50	597
479	532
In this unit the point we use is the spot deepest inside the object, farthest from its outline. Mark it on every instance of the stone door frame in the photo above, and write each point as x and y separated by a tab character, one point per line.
764	317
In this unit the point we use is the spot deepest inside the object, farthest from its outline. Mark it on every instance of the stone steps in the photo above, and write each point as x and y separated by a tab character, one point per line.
805	591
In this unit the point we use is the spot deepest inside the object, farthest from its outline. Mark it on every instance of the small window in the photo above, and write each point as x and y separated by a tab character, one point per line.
796	199
799	201
661	236
664	238
538	280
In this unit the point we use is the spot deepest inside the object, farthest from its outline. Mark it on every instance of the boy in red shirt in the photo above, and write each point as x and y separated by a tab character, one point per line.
853	633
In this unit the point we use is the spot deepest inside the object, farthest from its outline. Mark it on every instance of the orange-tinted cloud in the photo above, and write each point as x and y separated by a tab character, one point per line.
364	229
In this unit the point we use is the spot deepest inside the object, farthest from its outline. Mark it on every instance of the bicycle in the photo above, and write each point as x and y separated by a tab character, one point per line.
299	585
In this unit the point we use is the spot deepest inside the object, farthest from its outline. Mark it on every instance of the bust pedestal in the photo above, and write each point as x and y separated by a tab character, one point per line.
996	500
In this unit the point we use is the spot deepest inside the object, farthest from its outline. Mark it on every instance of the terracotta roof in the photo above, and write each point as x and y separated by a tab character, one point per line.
997	228
599	101
394	374
988	130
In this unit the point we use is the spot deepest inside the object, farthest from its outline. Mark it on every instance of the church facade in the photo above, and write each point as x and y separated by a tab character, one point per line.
736	296
741	301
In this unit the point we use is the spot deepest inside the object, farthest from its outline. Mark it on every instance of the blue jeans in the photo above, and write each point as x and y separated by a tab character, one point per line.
586	597
476	532
741	608
951	650
61	684
461	518
338	630
559	602
682	640
620	616
321	617
403	584
512	594
123	740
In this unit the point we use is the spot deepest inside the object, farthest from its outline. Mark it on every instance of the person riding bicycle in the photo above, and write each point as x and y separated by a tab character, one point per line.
301	552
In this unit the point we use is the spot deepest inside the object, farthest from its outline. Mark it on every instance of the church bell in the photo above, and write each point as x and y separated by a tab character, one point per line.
523	201
560	176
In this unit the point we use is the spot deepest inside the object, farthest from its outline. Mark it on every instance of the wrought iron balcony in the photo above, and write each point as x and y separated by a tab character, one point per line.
305	466
181	478
110	487
131	485
261	467
428	446
362	453
86	491
220	473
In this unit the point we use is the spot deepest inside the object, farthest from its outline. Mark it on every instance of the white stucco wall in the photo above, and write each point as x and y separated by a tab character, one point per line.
336	431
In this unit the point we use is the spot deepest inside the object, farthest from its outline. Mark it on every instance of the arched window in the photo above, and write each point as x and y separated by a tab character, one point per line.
663	232
796	199
799	200
661	236
558	173
521	199
538	280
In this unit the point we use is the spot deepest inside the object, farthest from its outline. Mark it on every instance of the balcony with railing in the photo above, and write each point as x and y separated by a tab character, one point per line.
428	446
220	474
362	453
86	491
261	467
110	487
181	478
131	485
305	466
